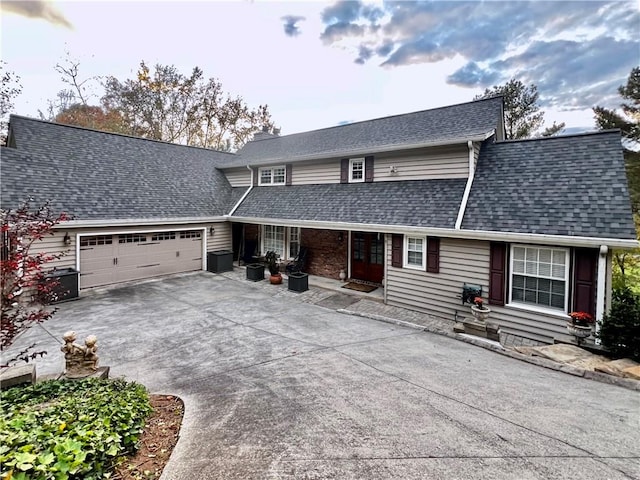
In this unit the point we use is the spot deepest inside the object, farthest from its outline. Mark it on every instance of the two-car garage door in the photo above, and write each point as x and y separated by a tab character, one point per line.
107	259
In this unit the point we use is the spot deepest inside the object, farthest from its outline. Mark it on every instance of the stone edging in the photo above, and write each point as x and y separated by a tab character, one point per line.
628	383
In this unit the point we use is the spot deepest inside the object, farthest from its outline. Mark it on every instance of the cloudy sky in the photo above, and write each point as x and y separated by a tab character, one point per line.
318	64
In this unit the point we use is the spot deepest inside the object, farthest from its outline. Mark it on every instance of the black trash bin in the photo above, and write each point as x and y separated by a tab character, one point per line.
220	261
298	282
67	286
255	272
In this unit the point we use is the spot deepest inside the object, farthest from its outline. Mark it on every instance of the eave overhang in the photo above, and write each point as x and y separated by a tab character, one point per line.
511	237
139	221
363	151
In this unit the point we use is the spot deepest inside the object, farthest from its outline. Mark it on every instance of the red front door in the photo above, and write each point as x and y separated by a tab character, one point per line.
367	256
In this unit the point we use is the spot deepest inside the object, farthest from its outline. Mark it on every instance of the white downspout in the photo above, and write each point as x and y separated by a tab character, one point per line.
601	285
467	188
235	207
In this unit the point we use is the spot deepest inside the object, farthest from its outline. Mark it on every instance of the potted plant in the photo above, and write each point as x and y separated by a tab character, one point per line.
580	325
271	258
479	310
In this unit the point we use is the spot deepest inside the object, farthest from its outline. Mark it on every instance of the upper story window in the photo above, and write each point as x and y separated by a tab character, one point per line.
540	276
356	170
415	252
272	175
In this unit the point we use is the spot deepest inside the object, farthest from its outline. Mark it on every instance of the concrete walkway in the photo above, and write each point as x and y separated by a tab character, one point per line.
279	387
565	358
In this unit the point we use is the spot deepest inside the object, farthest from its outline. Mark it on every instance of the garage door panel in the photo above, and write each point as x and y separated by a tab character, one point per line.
134	256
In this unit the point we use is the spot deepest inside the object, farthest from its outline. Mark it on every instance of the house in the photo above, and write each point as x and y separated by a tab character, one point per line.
425	204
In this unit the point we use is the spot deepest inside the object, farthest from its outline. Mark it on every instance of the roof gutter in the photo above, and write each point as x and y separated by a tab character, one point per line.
243	196
533	238
467	188
118	222
361	151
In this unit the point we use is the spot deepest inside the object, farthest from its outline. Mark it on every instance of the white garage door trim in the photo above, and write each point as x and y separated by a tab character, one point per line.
204	231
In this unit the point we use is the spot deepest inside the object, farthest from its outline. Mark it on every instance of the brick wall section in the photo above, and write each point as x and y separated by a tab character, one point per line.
251	232
327	254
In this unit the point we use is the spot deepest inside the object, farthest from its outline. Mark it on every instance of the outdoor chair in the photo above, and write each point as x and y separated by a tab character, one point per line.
249	252
298	264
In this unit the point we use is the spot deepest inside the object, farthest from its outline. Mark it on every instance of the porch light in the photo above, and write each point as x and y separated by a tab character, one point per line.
212	230
67	239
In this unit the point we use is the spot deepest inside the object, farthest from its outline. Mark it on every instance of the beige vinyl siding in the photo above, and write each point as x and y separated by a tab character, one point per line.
221	238
54	244
326	171
424	164
439	294
238	177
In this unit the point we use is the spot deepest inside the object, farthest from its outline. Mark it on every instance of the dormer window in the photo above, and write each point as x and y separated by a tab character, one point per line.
272	175
356	170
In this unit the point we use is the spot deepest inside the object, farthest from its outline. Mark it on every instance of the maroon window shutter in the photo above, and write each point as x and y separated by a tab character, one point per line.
368	169
255	177
287	173
584	280
497	273
396	250
433	254
344	170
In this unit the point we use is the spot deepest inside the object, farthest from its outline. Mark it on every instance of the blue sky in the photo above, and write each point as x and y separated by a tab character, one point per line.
318	64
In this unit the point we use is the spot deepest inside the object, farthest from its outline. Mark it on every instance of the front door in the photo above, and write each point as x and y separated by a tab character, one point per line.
367	256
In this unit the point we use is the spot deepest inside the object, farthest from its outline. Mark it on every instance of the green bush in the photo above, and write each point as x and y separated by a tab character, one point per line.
69	430
620	328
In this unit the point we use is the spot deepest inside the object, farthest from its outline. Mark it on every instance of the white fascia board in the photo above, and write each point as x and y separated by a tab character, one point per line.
369	150
138	221
532	238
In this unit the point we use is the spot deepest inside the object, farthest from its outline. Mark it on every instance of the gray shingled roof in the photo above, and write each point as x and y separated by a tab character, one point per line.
453	123
567	185
96	175
423	203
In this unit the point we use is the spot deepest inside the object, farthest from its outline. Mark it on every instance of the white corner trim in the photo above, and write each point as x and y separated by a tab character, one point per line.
601	285
235	207
467	187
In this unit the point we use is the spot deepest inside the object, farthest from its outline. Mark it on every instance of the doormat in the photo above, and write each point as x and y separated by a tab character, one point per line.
359	287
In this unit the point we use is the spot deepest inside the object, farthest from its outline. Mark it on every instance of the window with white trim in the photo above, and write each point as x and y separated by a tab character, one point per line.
415	252
540	276
272	175
356	170
273	239
294	241
285	241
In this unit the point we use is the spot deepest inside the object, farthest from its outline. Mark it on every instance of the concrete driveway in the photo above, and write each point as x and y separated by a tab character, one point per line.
280	389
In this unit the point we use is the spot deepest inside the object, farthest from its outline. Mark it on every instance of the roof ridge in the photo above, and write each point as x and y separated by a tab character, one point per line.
552	137
94	130
380	118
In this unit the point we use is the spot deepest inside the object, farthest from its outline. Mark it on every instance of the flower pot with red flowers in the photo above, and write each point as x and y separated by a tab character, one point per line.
479	310
580	325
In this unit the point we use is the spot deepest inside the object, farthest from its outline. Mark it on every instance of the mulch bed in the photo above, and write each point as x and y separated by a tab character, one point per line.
161	433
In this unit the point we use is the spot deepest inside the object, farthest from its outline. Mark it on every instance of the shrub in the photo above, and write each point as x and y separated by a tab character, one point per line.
69	430
25	291
620	328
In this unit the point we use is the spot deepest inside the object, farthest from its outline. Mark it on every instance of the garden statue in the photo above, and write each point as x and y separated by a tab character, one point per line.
80	360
